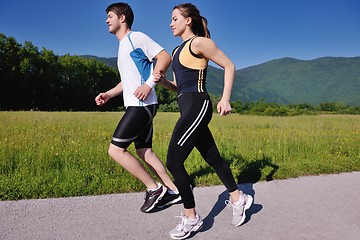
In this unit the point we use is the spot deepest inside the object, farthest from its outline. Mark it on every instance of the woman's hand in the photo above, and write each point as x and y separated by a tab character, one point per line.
159	77
224	107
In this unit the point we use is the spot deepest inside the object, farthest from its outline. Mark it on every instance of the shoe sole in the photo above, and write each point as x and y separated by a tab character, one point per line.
247	206
157	200
195	229
176	200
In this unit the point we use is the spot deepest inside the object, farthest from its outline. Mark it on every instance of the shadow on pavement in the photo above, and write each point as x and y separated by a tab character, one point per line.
220	205
250	174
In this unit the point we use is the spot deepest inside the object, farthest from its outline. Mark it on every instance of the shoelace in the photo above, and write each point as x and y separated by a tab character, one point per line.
147	195
235	207
182	224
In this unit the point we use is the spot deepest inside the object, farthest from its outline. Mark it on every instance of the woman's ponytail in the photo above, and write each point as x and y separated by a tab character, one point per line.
206	30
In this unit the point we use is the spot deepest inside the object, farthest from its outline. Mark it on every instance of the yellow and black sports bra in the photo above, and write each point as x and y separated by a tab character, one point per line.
189	68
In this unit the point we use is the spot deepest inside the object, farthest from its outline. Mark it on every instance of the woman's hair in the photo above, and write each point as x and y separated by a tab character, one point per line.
120	9
199	23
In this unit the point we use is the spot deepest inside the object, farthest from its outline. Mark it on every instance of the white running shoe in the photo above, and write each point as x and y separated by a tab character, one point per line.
239	209
186	227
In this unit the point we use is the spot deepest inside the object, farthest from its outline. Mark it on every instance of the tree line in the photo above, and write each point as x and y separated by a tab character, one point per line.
274	109
33	79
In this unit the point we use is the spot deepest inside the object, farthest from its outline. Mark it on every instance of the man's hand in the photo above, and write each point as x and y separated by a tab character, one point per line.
142	92
101	99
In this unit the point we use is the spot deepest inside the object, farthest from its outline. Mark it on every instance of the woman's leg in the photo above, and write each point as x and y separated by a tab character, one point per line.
195	112
209	151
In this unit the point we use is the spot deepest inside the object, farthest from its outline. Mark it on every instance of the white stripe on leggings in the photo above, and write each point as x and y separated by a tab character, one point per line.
193	126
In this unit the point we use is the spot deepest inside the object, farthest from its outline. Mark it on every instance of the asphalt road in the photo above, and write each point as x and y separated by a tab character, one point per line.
314	207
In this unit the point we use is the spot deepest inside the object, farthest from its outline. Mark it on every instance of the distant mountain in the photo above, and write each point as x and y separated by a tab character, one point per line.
290	81
112	61
293	81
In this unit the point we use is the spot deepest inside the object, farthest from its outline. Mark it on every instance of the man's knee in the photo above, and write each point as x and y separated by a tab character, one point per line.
144	153
114	151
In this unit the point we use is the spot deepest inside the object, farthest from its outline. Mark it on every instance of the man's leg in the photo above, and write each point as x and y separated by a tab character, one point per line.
157	166
155	192
172	196
132	165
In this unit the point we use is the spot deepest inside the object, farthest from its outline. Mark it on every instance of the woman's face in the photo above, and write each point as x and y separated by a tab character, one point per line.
178	22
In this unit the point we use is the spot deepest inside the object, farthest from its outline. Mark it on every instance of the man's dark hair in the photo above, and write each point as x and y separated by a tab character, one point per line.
120	9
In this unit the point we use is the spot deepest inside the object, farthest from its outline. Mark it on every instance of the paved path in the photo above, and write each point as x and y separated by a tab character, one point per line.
316	207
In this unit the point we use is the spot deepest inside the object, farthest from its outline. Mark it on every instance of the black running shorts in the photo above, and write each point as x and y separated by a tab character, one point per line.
135	126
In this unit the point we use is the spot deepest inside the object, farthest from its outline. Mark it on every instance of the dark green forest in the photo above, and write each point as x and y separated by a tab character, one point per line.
37	79
33	79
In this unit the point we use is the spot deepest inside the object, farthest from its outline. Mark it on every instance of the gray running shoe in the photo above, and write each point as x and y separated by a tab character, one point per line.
152	198
186	227
239	209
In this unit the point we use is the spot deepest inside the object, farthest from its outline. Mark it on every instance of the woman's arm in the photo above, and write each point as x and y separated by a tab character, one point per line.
208	49
160	78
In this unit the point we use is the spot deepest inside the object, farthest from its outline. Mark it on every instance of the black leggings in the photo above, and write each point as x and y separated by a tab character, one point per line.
191	130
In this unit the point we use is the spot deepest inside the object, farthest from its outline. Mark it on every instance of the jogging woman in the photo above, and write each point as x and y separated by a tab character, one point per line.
189	64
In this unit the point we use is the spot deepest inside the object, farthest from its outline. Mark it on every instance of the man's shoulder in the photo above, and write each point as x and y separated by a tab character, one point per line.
138	34
140	37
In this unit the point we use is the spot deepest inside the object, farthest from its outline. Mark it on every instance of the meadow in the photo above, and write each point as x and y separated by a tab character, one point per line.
63	154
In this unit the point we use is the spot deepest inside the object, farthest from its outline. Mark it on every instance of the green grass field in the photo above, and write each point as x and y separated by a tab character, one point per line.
61	154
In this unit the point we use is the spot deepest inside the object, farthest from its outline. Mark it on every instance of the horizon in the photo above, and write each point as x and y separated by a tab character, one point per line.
215	66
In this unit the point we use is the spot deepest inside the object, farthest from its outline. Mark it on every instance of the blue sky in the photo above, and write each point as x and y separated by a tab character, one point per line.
250	32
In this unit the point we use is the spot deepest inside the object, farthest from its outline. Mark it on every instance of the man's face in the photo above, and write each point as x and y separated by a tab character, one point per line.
113	22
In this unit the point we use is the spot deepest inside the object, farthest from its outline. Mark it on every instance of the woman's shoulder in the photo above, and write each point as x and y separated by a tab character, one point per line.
202	43
202	40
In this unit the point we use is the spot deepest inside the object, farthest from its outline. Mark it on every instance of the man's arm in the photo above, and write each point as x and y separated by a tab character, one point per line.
102	98
163	60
